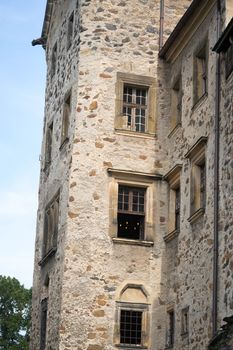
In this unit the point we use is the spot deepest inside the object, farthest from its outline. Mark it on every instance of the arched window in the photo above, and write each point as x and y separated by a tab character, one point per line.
132	317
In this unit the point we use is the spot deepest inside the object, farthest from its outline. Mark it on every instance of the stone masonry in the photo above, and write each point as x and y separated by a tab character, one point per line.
91	273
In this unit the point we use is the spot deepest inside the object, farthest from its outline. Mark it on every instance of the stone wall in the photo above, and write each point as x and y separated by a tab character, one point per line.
89	270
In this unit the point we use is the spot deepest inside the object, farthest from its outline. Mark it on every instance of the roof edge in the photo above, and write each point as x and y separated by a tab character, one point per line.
192	9
224	41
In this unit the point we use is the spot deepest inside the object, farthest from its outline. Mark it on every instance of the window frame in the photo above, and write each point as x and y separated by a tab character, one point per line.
67	106
200	72
170	331
185	321
130	212
136	82
173	177
142	306
176	103
48	145
197	157
50	228
43	323
139	180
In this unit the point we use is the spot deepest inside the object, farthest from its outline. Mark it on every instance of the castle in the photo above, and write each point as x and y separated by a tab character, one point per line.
134	243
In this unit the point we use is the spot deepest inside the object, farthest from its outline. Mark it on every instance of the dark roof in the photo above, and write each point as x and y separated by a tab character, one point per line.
224	41
180	25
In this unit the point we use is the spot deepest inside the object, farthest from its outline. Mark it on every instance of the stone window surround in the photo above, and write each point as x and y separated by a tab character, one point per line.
133	305
70	30
185	321
48	145
67	107
200	54
134	179
197	157
46	235
53	64
170	328
176	103
136	81
173	179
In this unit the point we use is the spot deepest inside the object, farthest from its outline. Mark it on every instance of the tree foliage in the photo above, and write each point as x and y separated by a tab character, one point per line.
15	308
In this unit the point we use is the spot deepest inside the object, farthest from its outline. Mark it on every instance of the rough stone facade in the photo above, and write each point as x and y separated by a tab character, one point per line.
91	273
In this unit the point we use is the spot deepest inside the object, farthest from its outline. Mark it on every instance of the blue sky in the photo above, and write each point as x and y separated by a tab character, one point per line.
22	74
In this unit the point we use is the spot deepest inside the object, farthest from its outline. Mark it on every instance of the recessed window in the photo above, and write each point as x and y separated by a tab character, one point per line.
135	104
51	219
48	145
131	327
54	60
173	178
198	179
176	104
177	208
170	328
66	119
135	108
200	78
131	212
43	323
70	30
185	321
132	318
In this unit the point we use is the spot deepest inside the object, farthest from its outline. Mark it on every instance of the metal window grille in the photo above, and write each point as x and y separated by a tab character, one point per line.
131	327
135	107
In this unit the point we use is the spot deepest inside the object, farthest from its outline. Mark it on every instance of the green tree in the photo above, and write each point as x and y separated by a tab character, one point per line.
15	309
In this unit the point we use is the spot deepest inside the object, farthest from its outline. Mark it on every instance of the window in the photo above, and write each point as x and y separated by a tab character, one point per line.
200	78
131	212
185	321
66	119
173	178
135	108
132	204
131	327
229	59
70	30
177	208
170	328
43	323
198	179
54	60
176	104
132	317
51	219
135	104
48	145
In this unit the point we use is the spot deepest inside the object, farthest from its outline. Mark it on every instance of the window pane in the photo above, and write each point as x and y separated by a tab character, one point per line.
140	120
130	331
130	226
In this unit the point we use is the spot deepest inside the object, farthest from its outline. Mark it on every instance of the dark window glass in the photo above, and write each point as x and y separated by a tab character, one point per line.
131	327
43	323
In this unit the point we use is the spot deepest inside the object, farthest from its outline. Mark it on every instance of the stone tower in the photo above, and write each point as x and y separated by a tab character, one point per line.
101	218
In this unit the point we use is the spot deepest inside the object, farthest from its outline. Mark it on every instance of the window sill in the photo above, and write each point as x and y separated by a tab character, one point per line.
132	242
47	256
125	346
144	135
168	237
196	215
173	131
200	101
